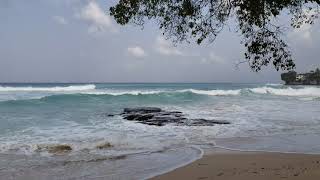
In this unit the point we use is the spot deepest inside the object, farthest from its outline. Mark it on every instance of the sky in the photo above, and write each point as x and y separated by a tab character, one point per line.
77	41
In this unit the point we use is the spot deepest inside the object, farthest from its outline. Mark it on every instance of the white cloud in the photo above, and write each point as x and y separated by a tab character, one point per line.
98	19
304	33
136	51
213	59
60	20
164	47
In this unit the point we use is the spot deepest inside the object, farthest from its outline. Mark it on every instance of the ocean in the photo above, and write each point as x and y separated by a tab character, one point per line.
33	117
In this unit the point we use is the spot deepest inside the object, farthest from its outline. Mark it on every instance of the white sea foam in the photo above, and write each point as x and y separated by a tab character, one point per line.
146	92
306	91
22	93
214	92
119	93
274	84
49	89
91	90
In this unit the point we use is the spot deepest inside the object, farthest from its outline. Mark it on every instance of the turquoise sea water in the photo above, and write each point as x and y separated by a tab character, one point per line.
34	115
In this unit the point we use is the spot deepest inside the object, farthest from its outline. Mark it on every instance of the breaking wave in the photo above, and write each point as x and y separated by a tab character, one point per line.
274	84
278	91
145	92
75	91
121	93
306	91
49	89
214	92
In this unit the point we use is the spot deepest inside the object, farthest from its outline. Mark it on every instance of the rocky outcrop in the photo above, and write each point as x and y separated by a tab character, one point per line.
289	77
158	117
104	145
142	110
310	78
54	149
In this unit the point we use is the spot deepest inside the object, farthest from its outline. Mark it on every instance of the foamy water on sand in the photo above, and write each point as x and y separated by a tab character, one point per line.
64	129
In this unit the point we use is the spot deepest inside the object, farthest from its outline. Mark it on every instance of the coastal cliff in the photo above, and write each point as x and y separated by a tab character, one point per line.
293	78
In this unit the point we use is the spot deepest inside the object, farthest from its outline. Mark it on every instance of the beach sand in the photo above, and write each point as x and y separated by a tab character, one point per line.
249	166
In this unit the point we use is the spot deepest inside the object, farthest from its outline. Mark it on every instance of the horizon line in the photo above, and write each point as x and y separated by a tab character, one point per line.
92	82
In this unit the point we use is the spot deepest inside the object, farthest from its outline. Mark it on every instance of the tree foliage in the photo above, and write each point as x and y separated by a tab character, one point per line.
316	76
183	20
289	77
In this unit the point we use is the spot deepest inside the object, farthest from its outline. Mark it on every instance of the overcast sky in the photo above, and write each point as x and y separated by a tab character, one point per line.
76	41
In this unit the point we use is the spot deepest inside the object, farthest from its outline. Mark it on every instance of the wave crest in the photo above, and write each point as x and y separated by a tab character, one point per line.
306	91
49	89
274	84
120	93
214	92
145	92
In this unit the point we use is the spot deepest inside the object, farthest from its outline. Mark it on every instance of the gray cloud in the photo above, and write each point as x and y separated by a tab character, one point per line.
136	51
60	20
213	58
164	47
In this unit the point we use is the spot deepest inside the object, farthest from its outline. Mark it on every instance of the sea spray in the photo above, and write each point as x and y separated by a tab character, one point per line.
288	91
48	89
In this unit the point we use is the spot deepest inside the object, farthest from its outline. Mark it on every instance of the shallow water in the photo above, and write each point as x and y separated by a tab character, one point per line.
33	115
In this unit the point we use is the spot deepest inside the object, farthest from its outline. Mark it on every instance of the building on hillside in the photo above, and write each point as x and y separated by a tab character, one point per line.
310	78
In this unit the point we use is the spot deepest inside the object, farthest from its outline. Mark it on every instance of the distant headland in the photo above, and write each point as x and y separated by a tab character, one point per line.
293	78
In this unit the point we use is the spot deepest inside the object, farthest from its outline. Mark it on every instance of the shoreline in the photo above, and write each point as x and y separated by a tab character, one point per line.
219	163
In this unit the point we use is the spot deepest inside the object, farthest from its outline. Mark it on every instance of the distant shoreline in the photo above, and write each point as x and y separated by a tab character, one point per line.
309	78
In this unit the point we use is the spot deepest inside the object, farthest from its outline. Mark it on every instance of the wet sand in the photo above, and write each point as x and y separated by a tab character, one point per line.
249	166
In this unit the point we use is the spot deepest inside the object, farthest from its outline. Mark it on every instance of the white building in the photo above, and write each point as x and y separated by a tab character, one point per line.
300	77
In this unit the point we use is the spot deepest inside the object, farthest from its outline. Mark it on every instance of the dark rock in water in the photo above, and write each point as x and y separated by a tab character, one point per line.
144	117
142	110
158	117
206	122
130	117
54	149
220	122
138	117
175	112
110	115
104	145
154	123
